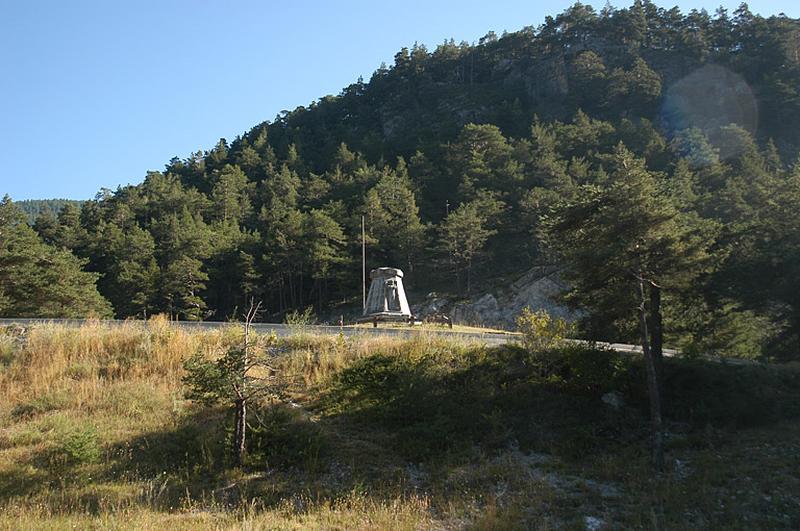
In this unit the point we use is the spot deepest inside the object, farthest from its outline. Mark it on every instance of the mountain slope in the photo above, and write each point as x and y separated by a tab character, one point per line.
455	155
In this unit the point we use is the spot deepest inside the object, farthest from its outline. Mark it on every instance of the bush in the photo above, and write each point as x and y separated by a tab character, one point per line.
7	351
586	370
285	436
438	404
736	396
73	448
301	319
43	403
540	331
80	447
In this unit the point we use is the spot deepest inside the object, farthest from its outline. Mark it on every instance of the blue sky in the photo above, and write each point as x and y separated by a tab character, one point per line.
94	94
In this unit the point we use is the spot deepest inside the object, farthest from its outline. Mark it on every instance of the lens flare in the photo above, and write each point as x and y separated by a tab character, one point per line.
710	99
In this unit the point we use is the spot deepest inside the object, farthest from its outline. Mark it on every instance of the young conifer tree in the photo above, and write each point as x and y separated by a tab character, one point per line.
622	245
240	376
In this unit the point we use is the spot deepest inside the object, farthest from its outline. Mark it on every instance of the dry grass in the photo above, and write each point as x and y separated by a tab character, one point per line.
83	362
123	383
95	434
315	358
353	512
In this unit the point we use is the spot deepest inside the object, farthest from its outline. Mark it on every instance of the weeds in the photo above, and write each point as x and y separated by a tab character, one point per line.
540	331
385	433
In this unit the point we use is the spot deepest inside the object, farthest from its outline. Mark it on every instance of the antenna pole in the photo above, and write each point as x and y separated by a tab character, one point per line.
363	267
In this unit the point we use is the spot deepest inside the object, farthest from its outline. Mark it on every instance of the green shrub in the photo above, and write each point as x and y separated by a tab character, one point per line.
593	371
80	370
81	447
738	396
728	332
284	436
50	401
299	319
540	331
438	403
74	446
8	350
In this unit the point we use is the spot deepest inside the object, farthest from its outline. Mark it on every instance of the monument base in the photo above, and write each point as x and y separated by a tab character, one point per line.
386	317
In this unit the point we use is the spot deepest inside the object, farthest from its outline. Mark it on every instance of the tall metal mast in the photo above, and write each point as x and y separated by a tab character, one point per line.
363	267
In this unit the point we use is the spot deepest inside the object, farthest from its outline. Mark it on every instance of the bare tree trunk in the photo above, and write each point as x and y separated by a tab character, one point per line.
469	277
300	292
657	332
653	387
240	425
292	291
240	404
281	293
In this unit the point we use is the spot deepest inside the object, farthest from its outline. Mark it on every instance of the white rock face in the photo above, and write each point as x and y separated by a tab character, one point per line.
485	310
536	289
593	523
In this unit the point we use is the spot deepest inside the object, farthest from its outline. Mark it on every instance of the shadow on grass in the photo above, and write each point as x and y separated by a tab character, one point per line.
192	460
19	482
487	400
552	402
388	412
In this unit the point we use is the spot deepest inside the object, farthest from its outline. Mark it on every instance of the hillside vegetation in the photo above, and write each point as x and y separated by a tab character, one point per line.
50	208
461	156
96	432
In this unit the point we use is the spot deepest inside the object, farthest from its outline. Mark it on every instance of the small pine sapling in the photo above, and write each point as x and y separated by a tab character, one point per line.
244	373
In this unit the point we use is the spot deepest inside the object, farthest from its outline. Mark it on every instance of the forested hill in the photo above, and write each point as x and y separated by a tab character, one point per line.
462	156
615	64
33	208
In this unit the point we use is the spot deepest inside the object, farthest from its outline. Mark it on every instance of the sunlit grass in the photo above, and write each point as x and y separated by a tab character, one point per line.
376	432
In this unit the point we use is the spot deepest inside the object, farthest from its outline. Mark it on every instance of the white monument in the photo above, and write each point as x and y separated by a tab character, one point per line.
387	298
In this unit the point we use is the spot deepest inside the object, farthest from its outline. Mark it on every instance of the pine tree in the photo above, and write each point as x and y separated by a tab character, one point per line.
39	280
282	238
230	196
184	241
393	220
463	235
324	247
482	158
131	282
233	277
621	246
47	227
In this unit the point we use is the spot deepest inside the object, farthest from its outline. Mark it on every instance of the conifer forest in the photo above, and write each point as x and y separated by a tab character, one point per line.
600	142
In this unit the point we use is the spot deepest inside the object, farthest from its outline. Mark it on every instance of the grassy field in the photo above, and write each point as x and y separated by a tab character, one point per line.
376	433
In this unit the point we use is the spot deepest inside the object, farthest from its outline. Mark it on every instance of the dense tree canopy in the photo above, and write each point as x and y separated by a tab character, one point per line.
39	280
459	156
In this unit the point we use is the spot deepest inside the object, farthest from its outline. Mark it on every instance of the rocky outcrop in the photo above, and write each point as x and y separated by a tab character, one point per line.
537	289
